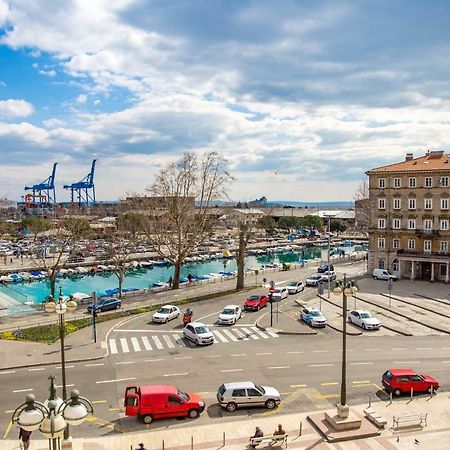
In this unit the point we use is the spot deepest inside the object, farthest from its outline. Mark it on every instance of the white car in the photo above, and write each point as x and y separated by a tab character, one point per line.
325	276
364	319
295	286
230	315
314	280
166	313
198	333
279	294
313	317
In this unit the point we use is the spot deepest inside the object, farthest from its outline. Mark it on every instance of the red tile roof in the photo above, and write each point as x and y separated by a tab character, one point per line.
431	161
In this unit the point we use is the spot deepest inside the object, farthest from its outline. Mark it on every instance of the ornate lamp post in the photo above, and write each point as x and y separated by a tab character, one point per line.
52	417
346	288
60	307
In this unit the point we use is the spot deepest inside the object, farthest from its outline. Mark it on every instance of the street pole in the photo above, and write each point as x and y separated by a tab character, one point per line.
329	249
94	317
390	291
63	359
271	309
344	345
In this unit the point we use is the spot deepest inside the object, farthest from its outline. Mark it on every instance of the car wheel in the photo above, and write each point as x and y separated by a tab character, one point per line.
167	320
117	306
364	326
397	392
197	342
193	413
231	407
147	419
375	277
270	404
434	390
234	321
258	307
350	320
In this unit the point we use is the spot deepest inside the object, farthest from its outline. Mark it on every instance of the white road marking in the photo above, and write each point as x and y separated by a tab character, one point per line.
119	363
259	333
360	363
446	362
183	357
168	341
424	348
321	351
212	356
265	353
239	354
271	333
60	386
232	370
36	370
296	353
94	365
115	381
135	344
230	335
249	333
157	342
279	367
220	336
320	365
175	374
154	360
7	371
112	344
445	348
124	345
67	367
147	345
241	336
22	390
179	340
399	348
406	362
373	349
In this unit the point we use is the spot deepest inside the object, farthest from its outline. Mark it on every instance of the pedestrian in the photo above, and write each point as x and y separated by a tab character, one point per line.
25	436
11	260
141	447
279	431
189	277
170	281
258	434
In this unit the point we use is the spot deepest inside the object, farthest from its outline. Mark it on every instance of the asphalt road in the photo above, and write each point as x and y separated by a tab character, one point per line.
305	369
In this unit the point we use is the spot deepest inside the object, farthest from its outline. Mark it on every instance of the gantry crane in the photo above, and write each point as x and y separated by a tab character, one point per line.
83	192
43	192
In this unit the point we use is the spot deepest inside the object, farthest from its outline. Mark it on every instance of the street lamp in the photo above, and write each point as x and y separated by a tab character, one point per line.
53	416
345	288
329	251
60	308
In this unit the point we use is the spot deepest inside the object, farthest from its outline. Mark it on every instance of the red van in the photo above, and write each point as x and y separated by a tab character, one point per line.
160	402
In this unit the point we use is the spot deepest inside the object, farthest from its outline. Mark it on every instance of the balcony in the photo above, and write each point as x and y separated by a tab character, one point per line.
423	254
425	232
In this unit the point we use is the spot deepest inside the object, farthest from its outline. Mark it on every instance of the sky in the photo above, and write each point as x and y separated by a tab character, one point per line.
301	97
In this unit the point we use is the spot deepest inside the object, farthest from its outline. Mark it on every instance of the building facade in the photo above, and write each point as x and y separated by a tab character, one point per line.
409	226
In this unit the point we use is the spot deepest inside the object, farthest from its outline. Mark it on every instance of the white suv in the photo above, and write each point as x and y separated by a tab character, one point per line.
245	393
198	333
230	315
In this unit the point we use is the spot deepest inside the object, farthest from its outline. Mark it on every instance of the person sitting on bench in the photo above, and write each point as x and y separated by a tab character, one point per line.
280	431
258	434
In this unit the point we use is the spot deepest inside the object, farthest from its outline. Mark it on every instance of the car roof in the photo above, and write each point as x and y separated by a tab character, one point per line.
239	384
315	275
197	324
400	372
230	306
279	288
312	308
158	389
360	311
168	306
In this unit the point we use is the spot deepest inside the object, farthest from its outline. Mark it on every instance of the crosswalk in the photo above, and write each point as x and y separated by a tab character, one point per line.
174	340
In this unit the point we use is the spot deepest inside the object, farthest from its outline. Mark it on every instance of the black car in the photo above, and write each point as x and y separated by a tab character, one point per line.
324	268
105	304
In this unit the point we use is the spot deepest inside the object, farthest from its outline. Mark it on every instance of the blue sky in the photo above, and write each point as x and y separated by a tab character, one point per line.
300	96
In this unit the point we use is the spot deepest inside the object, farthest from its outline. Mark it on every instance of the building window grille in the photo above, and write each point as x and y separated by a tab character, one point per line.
381	242
396	224
397	203
428	182
396	243
444	203
381	183
381	223
397	182
427	246
412	203
444	181
411	244
444	224
428	224
381	203
411	224
428	203
412	182
444	247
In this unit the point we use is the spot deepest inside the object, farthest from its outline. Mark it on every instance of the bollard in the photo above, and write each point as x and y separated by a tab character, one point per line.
390	398
223	439
370	400
412	393
192	442
163	445
300	429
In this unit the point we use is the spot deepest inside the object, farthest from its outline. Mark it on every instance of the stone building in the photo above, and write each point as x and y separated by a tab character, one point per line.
409	229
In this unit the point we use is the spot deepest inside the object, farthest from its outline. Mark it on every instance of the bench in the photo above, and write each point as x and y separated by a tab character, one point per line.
279	439
375	418
421	418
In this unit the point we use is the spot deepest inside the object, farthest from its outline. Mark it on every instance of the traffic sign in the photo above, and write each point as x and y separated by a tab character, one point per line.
271	290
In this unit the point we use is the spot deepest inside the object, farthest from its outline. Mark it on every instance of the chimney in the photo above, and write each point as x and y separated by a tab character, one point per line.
437	154
409	157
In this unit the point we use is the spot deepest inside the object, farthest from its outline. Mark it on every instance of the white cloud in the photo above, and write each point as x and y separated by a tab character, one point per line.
82	98
48	73
15	108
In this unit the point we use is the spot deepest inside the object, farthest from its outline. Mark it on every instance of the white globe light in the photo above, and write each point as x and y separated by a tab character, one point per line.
71	305
58	402
50	307
75	414
58	426
30	419
61	307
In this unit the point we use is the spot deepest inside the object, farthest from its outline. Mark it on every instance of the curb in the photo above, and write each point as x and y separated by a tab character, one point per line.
281	332
416	306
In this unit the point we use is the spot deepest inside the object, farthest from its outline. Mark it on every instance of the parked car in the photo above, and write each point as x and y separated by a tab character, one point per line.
166	313
105	304
256	302
279	294
295	286
161	402
198	333
325	276
230	315
314	280
383	274
324	268
400	381
364	319
313	317
245	393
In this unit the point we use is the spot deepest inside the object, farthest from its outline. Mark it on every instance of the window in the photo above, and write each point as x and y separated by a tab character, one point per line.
444	203
395	266
174	400
381	223
380	266
381	183
396	224
412	203
381	242
411	224
444	181
381	203
411	244
397	203
427	246
397	182
428	182
396	243
428	224
238	393
444	247
444	224
412	182
253	393
428	203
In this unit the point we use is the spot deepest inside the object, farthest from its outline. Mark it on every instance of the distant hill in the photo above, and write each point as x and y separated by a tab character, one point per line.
321	205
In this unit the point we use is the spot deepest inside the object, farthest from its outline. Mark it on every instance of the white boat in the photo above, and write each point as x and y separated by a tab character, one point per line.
80	296
82	270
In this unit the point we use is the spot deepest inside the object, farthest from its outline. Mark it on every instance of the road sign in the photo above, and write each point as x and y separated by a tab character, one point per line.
271	290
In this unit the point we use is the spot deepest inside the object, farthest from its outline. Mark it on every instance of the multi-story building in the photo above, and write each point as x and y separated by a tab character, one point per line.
409	227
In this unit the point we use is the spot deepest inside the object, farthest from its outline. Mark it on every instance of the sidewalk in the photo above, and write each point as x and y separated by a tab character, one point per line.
236	434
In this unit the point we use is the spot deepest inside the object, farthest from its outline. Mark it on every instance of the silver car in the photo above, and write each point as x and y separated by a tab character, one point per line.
246	393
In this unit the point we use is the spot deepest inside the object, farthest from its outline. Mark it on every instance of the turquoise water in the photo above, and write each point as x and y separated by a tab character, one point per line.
37	291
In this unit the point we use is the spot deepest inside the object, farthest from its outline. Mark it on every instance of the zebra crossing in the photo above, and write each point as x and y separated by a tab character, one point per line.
173	340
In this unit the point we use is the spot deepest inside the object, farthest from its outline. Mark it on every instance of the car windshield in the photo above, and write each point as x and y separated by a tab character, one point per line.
260	389
316	277
293	284
315	313
228	311
222	389
254	298
164	310
366	315
388	375
201	330
183	395
278	290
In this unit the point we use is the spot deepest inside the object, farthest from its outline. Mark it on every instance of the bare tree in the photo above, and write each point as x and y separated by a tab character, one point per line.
119	256
180	210
245	231
362	206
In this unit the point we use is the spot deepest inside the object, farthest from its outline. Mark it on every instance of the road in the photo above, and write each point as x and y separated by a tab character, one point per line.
305	369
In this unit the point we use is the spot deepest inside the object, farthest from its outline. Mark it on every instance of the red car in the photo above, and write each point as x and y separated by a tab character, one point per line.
400	381
256	302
